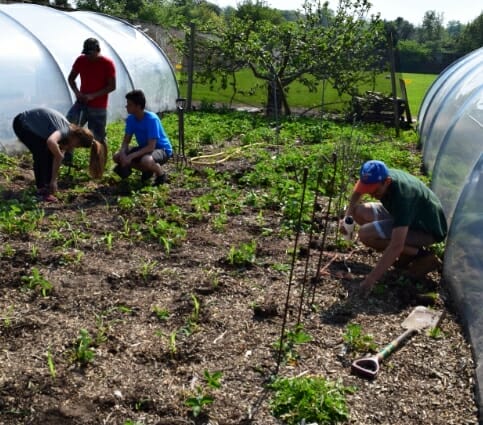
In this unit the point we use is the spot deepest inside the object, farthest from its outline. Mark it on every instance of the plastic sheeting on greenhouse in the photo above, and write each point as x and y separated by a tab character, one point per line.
451	127
39	45
451	133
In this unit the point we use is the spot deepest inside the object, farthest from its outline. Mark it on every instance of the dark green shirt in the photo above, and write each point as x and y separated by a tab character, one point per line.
411	203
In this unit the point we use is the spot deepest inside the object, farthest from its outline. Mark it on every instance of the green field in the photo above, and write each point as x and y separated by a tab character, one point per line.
252	92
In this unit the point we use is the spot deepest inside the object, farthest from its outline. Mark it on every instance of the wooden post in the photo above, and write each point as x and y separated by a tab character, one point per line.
393	84
191	59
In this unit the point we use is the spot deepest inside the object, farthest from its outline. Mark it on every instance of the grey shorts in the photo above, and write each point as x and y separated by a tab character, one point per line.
159	155
383	221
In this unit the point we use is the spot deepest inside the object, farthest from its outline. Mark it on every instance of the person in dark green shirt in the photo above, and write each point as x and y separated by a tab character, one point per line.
407	218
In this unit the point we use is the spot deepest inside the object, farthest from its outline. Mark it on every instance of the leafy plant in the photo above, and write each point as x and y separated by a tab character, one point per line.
83	351
108	239
435	333
357	341
35	280
290	340
161	313
202	397
244	255
147	268
309	400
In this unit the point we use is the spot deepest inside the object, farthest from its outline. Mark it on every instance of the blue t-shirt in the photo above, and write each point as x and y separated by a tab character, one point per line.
148	128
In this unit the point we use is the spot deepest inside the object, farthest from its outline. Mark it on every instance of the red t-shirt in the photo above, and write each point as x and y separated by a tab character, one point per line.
94	76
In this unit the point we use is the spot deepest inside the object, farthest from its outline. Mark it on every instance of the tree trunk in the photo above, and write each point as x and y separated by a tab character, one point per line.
275	99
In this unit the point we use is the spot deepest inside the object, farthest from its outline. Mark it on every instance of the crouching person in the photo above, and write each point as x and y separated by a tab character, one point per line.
407	219
48	135
153	146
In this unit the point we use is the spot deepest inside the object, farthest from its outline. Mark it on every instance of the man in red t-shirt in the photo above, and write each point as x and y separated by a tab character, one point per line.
98	78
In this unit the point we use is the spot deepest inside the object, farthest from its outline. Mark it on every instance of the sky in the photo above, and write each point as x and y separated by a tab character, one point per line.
412	10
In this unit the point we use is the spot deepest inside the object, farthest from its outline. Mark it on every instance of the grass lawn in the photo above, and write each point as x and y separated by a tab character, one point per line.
252	92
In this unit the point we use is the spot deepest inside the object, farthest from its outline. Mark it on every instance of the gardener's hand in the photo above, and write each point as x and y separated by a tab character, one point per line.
124	160
366	286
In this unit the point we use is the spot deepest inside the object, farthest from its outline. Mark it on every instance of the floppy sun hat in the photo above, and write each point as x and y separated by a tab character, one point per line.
371	174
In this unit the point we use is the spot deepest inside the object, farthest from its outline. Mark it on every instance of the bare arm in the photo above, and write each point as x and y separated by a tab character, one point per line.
352	203
111	86
73	85
389	256
149	148
53	145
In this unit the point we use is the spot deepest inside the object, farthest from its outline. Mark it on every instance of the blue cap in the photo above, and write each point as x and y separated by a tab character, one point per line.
371	174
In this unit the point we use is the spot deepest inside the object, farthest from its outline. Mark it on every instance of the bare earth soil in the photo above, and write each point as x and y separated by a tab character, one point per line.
144	368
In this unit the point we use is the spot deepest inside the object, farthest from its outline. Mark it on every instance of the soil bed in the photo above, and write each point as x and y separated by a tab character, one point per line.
139	374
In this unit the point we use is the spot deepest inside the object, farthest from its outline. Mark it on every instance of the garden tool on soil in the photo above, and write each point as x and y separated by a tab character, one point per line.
420	318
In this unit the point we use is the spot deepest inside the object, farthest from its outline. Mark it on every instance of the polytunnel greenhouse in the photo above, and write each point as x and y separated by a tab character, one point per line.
40	45
451	133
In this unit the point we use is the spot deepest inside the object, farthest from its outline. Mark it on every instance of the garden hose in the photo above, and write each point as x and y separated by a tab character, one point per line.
211	159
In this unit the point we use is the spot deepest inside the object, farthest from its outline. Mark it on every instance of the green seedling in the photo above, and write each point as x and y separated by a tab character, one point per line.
107	239
195	313
7	318
51	364
34	252
435	333
8	251
71	257
281	267
244	255
202	397
219	222
172	343
213	379
171	338
357	341
161	313
309	400
291	339
83	351
36	281
147	269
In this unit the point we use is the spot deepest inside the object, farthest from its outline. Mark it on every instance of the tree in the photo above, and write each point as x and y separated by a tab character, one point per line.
318	45
472	36
400	29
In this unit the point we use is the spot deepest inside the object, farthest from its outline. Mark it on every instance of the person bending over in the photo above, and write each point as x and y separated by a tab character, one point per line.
407	218
48	135
153	146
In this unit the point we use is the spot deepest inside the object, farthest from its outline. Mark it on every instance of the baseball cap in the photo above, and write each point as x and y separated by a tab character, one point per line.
91	45
371	174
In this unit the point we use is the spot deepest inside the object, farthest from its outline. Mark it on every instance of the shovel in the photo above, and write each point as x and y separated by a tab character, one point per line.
420	318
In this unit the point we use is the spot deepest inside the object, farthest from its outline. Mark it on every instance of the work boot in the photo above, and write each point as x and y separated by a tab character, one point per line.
123	172
403	261
145	176
159	180
425	262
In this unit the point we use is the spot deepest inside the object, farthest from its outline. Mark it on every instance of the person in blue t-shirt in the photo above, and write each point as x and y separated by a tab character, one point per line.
154	148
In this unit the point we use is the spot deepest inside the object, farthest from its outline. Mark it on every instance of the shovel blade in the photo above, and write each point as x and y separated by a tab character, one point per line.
422	318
